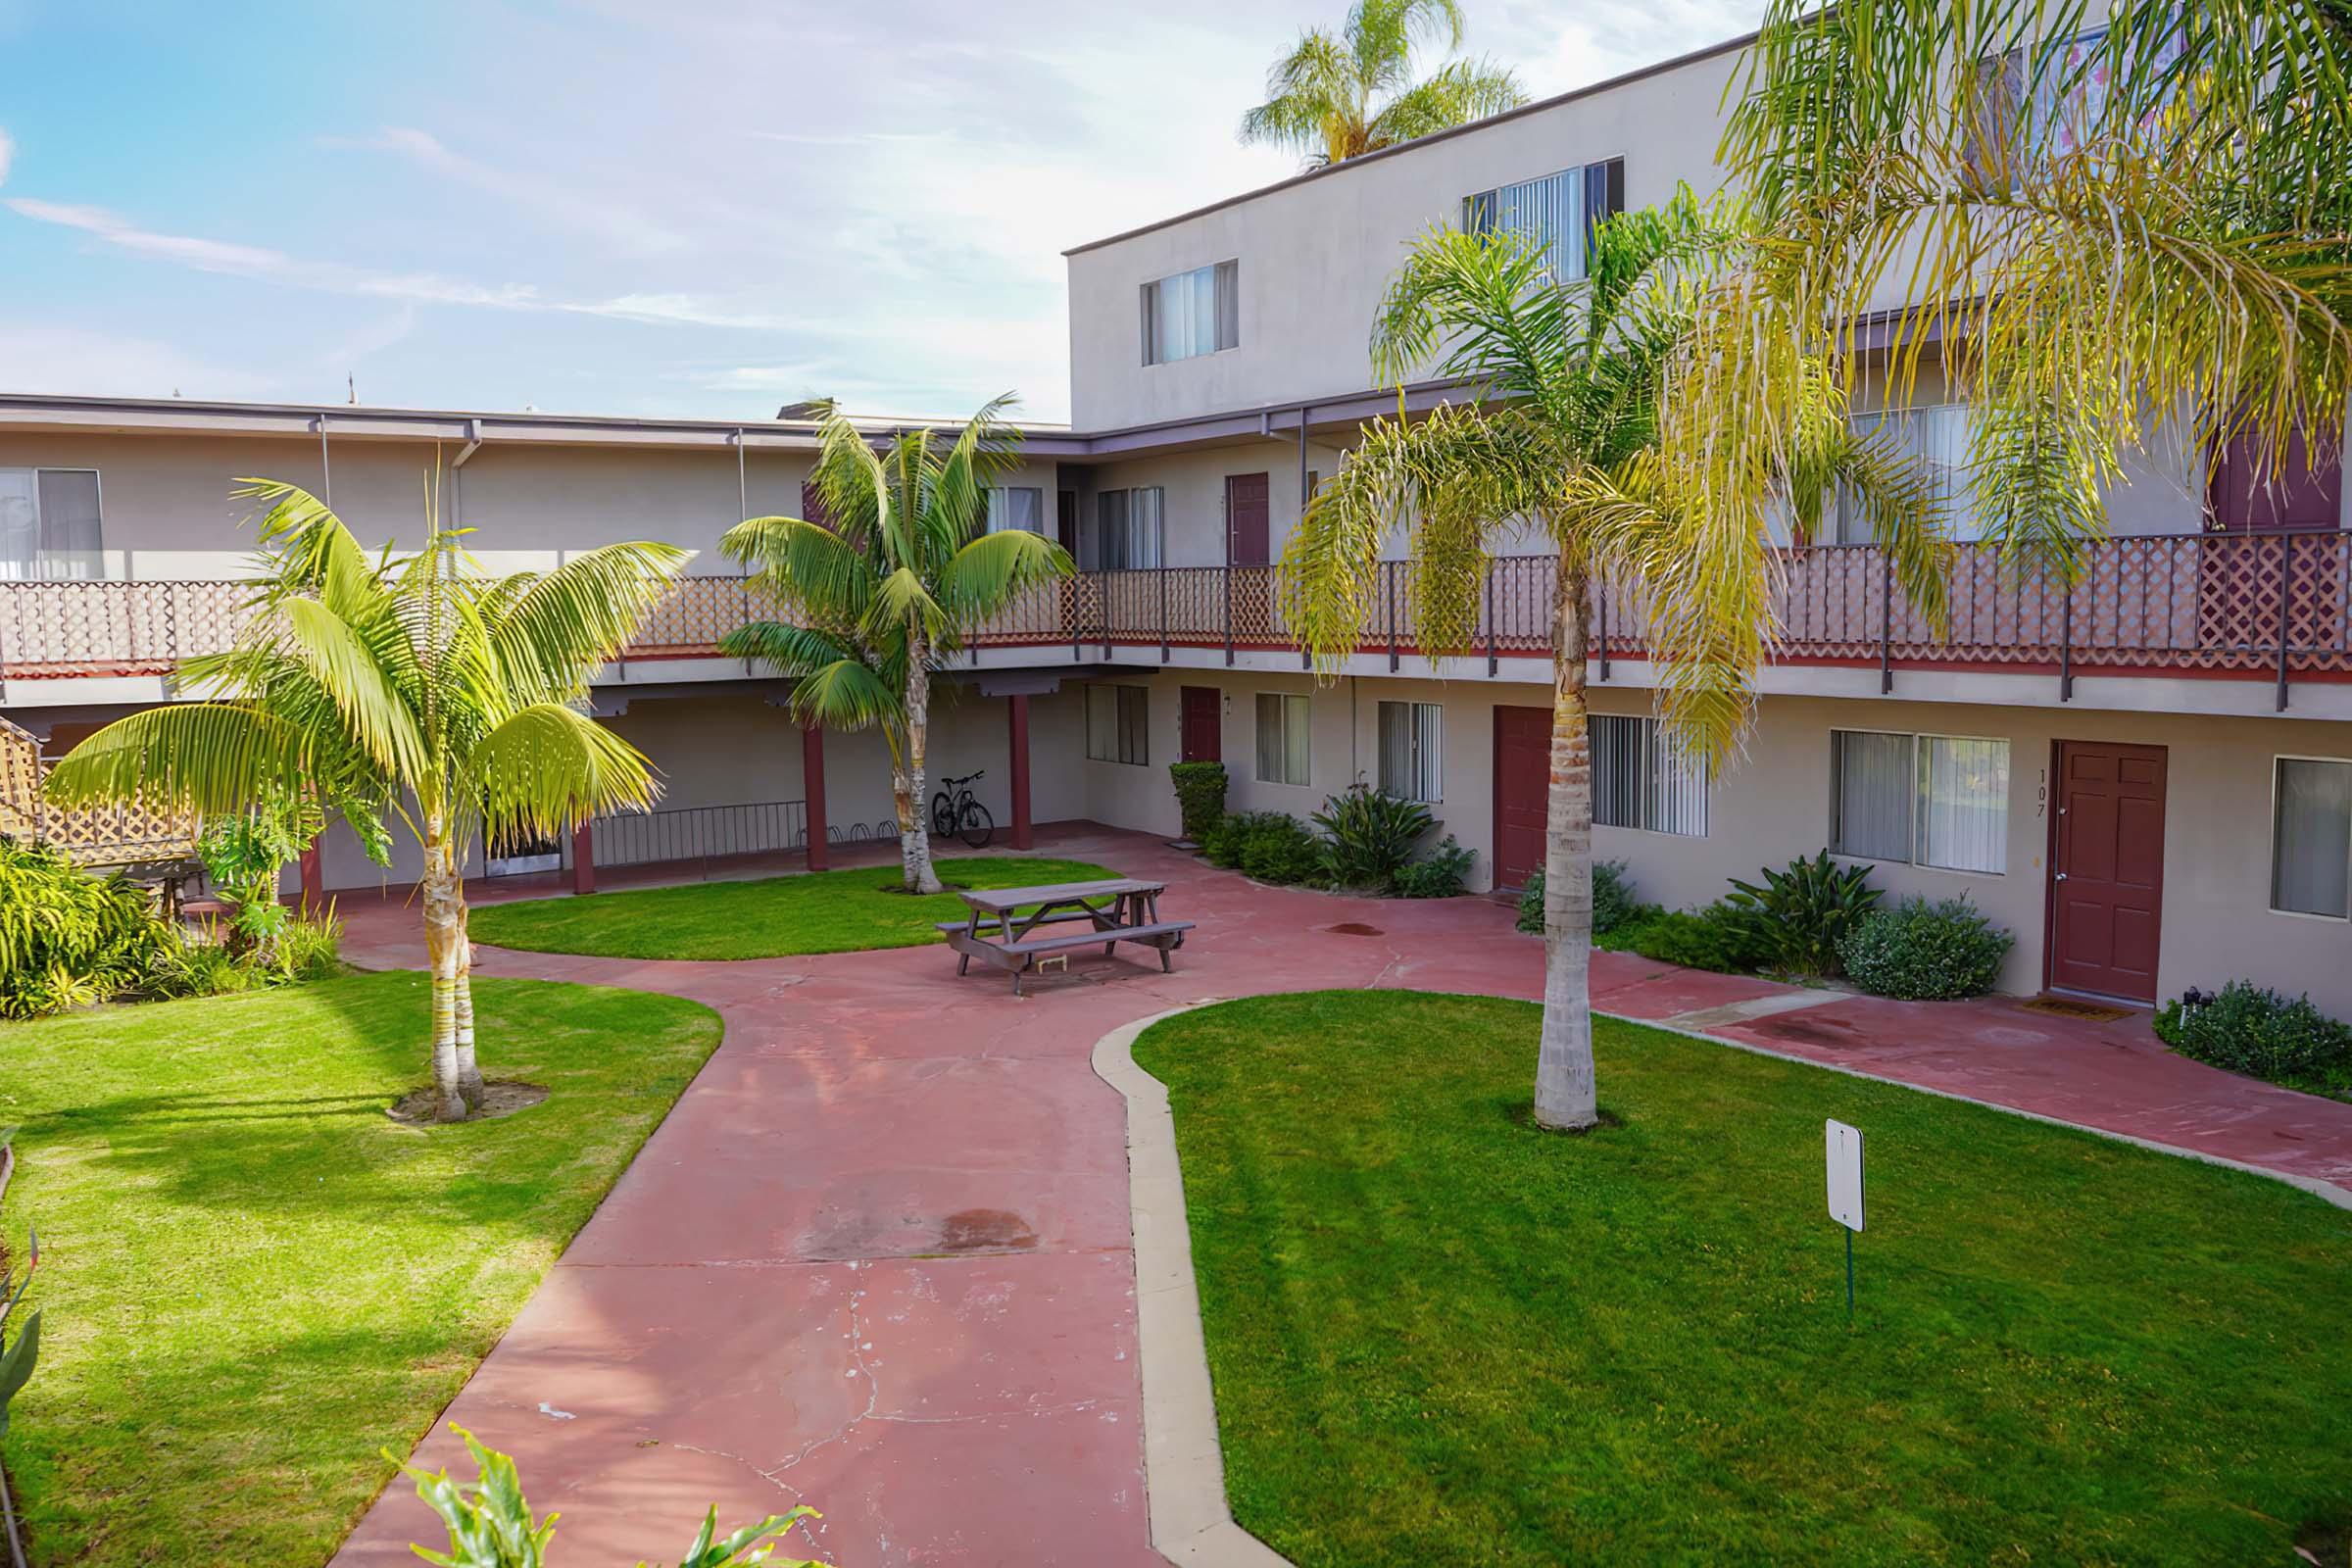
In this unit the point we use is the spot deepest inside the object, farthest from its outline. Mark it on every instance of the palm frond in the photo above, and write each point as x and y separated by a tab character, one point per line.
849	694
546	766
206	758
787	649
1457	94
546	631
980	579
371	711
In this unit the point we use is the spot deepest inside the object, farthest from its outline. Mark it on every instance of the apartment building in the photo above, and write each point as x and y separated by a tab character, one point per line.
2147	777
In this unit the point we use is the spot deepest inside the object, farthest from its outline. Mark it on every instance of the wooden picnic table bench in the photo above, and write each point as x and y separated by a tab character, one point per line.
1114	910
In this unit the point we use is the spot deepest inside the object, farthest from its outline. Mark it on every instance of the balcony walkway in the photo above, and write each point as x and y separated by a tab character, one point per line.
878	1258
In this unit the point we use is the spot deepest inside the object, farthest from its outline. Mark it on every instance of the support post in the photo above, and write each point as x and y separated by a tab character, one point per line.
2286	572
1600	598
583	857
1492	659
1886	625
2066	647
313	879
813	791
1017	715
1105	609
1162	574
1388	569
1229	613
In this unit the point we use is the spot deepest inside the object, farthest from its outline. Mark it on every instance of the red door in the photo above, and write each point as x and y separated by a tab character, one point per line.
2107	869
1522	792
1246	533
1204	725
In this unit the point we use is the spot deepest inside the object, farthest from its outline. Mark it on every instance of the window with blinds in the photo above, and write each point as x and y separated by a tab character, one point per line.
1282	738
1938	800
49	526
2311	837
1557	211
1129	528
1116	723
1411	738
1186	314
1640	780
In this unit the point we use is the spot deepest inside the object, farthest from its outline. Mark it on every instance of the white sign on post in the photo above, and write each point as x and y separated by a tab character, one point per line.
1844	1149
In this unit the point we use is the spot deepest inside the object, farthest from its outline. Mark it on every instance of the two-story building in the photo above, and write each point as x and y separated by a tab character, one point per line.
2146	776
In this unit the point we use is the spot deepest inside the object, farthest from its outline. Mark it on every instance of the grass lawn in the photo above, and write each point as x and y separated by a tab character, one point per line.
832	912
1439	1335
251	1279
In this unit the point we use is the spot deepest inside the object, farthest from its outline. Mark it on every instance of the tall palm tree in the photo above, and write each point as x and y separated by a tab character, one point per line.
416	686
2112	230
885	587
1553	446
1325	98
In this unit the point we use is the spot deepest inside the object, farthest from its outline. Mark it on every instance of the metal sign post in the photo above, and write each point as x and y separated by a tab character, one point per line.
1842	1147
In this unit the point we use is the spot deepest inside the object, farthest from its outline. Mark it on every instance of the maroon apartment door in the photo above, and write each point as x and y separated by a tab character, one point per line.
1204	725
1249	550
1522	792
2107	869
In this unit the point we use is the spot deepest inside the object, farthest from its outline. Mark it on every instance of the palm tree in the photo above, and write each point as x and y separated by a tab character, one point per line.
1554	445
2119	231
883	588
1323	97
415	686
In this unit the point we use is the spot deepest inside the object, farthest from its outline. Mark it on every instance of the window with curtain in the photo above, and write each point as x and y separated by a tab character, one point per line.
1640	780
1116	723
1938	800
2311	837
1187	315
1556	211
2056	114
1282	738
1412	736
1935	436
49	526
1021	506
1128	528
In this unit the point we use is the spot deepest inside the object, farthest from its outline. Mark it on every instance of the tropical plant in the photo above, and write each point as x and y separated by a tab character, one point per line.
1802	914
1716	937
1551	443
1613	898
1200	796
415	685
68	939
1924	951
885	587
206	963
245	852
491	1525
1324	99
2252	1029
1370	834
1442	873
1279	848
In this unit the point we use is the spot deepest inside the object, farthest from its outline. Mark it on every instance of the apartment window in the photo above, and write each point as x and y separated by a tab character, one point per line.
2061	112
2311	837
1128	528
1411	740
49	528
1190	314
1639	781
1935	436
1021	506
1116	723
1557	211
1939	801
1282	739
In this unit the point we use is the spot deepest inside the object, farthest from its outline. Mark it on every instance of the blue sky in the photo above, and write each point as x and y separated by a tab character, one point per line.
617	207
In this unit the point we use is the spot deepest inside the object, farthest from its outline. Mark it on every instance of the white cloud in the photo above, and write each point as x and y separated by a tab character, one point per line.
65	360
589	210
8	154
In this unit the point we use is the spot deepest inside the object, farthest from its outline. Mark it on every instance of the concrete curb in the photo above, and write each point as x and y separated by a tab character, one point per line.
1184	1468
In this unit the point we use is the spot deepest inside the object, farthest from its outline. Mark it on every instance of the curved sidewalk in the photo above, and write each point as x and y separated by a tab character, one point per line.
878	1258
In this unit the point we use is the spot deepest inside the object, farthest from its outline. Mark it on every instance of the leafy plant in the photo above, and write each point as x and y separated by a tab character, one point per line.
1613	900
68	939
1222	845
2251	1029
491	1525
1925	952
1530	903
244	853
206	965
310	950
1719	937
1200	796
1321	96
1279	848
1802	912
1440	874
1371	834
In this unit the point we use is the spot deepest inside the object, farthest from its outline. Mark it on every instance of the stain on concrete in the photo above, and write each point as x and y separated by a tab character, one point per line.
986	1230
1355	928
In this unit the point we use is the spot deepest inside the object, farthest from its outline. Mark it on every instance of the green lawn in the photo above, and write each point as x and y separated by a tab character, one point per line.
1439	1335
832	912
251	1279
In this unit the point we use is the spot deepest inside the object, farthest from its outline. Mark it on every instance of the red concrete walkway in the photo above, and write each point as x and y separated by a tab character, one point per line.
877	1259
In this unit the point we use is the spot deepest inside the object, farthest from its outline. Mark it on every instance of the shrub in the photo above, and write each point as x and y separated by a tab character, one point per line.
1439	875
1199	797
205	966
1925	952
2250	1029
310	950
1613	902
1372	834
1719	937
1279	848
1530	903
68	939
1222	845
1802	914
244	854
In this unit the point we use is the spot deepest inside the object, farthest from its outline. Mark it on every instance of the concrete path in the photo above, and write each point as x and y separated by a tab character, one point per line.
878	1258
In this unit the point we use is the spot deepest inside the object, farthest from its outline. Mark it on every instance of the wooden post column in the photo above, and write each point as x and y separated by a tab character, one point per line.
813	791
313	879
1017	707
583	857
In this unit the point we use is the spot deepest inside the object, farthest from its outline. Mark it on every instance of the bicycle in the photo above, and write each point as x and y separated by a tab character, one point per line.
957	813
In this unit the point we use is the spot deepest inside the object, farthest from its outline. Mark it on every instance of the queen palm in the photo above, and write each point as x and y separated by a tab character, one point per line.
1336	97
886	586
415	686
1553	447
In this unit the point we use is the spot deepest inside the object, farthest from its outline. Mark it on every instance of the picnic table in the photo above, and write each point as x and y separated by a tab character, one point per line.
1003	925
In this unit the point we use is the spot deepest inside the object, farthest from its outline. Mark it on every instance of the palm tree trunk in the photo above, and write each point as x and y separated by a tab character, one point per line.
444	900
470	1072
914	833
1565	1089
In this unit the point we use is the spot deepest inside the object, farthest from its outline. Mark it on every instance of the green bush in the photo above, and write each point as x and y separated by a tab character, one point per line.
1530	903
1719	937
1802	914
1925	952
68	939
1439	875
1222	843
207	964
1199	797
1613	901
1279	848
244	854
1371	834
2250	1029
310	950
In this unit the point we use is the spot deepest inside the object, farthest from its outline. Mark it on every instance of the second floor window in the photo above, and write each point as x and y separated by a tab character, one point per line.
1116	723
1127	528
1934	435
1639	781
1411	737
49	528
1021	506
1556	211
1190	313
